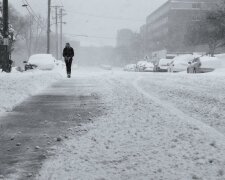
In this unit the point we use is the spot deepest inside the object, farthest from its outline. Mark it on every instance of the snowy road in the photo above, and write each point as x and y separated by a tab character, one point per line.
156	126
122	125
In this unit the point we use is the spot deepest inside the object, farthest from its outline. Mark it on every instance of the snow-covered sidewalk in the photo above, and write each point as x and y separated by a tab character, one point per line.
139	138
16	87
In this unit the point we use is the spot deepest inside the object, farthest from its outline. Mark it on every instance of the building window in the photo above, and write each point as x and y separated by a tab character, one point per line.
196	18
196	5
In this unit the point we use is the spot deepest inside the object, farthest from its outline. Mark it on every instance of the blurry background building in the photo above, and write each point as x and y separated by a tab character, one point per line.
166	27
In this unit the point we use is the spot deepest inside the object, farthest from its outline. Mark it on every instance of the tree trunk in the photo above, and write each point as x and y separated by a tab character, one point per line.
212	47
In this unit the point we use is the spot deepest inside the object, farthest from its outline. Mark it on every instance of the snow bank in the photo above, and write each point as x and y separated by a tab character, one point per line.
16	87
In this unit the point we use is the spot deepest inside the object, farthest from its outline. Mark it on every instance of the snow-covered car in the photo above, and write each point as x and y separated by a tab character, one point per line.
164	65
140	65
28	66
106	67
203	64
144	66
60	63
42	61
130	67
149	67
180	63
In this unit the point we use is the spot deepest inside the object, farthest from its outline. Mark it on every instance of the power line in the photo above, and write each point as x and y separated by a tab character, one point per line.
33	14
109	17
61	2
32	9
91	36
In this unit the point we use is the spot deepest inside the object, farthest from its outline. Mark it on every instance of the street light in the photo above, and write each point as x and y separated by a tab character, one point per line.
30	24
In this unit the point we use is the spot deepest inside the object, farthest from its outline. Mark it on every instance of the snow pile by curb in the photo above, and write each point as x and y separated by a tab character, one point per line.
16	87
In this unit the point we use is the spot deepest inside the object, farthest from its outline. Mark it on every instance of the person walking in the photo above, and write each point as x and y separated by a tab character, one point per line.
68	54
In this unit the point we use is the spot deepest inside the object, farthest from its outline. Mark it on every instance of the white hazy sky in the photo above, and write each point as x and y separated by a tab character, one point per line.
80	20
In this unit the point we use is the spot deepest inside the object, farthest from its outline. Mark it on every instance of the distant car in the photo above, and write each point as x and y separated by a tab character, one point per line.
140	66
149	67
203	64
164	65
41	62
180	63
130	67
106	67
144	66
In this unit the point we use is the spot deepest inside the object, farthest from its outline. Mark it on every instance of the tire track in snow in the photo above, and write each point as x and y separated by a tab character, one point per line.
178	113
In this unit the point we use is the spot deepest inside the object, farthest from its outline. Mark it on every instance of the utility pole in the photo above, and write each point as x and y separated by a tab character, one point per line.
30	38
49	27
56	32
61	31
5	19
6	61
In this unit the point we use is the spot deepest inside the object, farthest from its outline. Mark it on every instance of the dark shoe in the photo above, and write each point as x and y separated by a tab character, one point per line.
69	76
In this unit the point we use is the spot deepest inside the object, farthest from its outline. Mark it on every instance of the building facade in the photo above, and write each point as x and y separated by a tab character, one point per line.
124	37
166	27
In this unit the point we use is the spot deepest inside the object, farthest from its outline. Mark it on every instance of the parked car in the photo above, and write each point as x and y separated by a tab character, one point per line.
130	67
140	66
28	66
149	67
203	64
180	63
41	62
164	65
144	66
106	67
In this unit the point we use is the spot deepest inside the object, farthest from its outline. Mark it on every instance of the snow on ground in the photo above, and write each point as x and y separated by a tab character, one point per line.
16	86
200	95
148	132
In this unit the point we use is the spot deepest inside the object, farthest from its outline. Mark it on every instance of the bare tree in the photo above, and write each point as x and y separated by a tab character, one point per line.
209	30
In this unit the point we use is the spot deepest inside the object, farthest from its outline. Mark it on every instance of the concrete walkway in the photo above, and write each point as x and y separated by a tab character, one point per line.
29	132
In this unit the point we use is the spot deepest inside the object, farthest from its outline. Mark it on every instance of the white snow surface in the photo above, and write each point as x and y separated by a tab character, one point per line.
156	127
16	86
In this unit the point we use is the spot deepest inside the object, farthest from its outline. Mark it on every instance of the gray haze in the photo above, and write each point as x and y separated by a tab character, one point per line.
84	24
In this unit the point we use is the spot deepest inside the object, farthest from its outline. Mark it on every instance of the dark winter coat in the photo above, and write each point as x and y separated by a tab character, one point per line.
68	52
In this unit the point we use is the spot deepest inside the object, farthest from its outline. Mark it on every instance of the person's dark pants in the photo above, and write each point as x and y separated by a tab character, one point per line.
68	62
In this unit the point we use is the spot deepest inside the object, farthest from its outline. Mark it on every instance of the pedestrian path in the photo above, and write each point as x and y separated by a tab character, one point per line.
31	129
